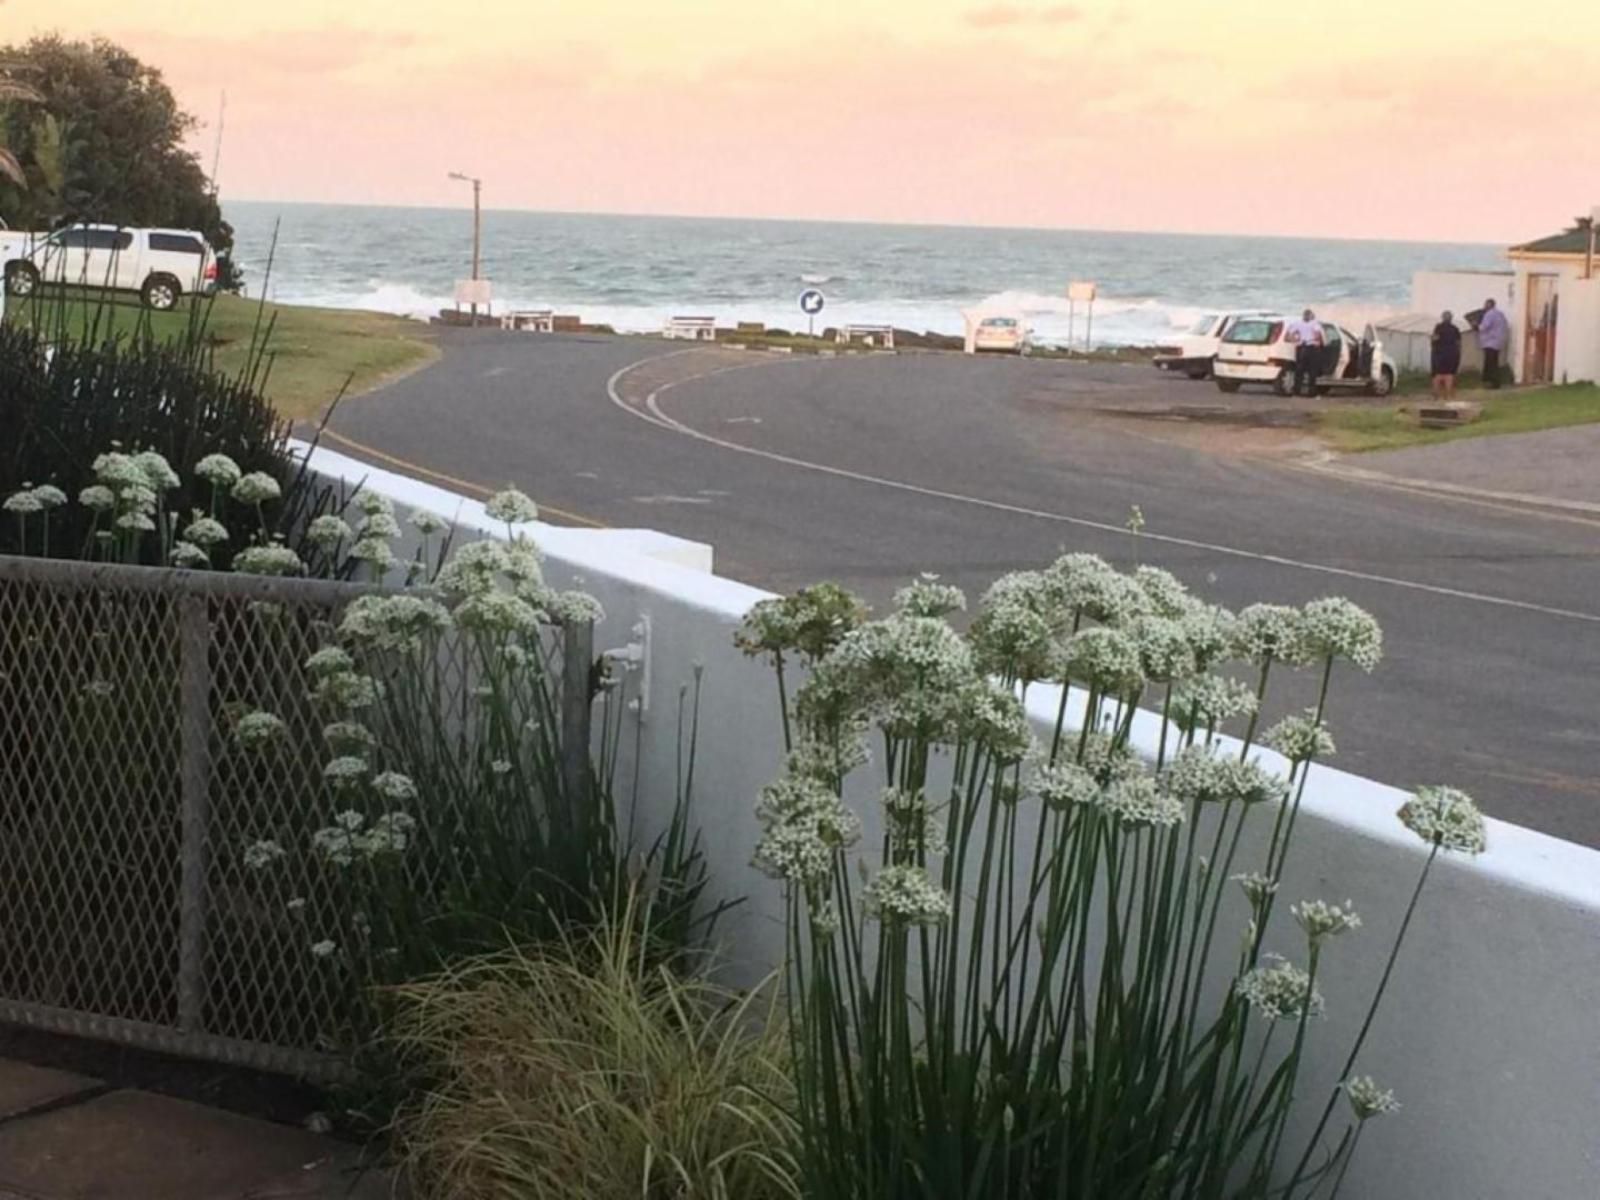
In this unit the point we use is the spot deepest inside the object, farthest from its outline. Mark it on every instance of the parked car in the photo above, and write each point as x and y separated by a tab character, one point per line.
1002	334
160	264
1254	350
14	243
1196	350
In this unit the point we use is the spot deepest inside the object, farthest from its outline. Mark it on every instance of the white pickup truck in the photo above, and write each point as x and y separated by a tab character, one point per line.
160	264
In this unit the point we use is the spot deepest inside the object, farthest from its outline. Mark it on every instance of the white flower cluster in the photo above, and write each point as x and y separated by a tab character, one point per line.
905	895
1209	701
1300	738
1266	633
1165	652
1322	920
261	854
205	532
328	532
496	613
218	470
1367	1099
1108	759
1137	802
330	660
392	623
805	824
347	690
392	785
913	676
129	486
39	499
349	737
256	488
1019	627
350	838
927	597
1279	992
512	507
1256	887
995	719
1335	628
574	608
345	772
428	523
273	558
1445	817
1062	786
189	556
1106	659
257	729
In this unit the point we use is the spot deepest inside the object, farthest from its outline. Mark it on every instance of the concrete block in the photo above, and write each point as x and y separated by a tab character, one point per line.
131	1145
24	1086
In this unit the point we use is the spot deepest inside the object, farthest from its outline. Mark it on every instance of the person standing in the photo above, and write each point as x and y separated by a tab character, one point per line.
1446	357
1305	335
1494	332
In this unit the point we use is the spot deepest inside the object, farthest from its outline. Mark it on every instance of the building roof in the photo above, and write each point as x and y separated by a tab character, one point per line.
1573	241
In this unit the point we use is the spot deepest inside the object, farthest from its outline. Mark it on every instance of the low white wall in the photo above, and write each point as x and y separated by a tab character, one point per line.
1491	1032
1460	292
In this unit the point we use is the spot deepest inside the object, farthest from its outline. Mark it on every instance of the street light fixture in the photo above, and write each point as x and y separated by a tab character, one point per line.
477	192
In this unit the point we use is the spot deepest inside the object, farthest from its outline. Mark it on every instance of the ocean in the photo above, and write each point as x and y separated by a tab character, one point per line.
634	272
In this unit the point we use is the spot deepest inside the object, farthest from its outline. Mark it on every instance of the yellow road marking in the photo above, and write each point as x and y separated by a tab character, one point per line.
464	484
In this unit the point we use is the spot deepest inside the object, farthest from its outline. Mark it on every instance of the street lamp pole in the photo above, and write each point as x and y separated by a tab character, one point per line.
477	229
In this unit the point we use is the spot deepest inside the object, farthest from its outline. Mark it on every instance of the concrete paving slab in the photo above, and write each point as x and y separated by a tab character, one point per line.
130	1145
344	1176
24	1086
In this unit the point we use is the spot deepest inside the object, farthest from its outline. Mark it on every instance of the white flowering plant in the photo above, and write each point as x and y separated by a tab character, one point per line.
1041	979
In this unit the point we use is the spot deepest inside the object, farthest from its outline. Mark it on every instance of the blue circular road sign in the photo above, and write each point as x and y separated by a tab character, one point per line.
811	302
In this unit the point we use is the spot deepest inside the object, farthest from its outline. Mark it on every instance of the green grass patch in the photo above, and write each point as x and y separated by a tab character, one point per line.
1393	426
314	350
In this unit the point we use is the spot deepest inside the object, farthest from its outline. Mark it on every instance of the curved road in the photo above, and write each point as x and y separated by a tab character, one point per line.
870	469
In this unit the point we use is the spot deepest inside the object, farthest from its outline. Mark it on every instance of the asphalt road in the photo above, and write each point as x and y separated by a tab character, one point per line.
870	469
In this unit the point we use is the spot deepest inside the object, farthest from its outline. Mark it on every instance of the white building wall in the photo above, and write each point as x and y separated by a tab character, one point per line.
1567	271
1490	1035
1578	332
1460	292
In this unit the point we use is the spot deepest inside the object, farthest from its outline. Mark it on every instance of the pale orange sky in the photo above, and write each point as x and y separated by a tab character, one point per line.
1437	119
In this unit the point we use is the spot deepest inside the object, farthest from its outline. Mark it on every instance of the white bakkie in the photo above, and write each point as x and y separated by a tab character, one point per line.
160	264
1195	351
1256	350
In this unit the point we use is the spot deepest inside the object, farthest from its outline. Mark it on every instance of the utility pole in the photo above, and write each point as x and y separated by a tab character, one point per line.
477	230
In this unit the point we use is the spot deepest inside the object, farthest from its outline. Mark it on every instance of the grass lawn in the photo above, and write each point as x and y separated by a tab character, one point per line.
314	349
1389	427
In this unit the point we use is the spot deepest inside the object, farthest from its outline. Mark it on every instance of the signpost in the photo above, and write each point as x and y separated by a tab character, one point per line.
1080	292
811	303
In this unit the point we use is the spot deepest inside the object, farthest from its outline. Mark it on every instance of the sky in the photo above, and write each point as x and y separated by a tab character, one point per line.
1426	119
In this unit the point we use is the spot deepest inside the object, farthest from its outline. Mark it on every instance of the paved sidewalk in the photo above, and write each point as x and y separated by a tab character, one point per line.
1557	467
71	1137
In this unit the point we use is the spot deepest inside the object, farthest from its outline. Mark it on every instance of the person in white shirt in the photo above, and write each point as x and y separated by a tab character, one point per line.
1305	335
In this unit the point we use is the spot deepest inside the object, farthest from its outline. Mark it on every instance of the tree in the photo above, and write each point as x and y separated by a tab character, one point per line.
102	139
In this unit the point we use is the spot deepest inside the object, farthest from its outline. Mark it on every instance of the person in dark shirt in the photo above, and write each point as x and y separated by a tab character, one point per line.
1446	357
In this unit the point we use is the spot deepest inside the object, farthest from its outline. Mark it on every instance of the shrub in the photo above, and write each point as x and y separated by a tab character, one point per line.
1056	976
574	1069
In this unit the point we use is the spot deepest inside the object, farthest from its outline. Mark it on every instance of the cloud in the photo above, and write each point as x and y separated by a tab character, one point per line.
1007	16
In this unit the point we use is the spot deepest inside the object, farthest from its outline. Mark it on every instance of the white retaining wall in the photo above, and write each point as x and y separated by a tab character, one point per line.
1490	1035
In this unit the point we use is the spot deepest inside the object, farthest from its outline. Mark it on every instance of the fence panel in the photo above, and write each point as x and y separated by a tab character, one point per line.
158	884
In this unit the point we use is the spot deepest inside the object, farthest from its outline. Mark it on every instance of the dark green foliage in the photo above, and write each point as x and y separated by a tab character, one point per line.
105	142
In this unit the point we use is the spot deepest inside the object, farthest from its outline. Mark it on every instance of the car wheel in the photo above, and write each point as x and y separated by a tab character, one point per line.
160	292
1284	383
1230	386
1384	383
22	279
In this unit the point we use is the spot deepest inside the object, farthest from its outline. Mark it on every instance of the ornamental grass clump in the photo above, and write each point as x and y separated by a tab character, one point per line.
576	1069
1059	970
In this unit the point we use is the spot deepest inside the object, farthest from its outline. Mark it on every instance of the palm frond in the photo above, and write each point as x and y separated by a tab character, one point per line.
11	169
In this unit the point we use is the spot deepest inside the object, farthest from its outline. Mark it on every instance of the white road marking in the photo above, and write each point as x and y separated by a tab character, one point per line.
653	415
743	420
671	500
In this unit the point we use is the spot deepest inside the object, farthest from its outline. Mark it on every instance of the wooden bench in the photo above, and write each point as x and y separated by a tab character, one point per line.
531	320
693	329
880	336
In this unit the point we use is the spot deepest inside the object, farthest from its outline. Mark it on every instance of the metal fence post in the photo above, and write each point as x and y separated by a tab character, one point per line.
194	641
577	659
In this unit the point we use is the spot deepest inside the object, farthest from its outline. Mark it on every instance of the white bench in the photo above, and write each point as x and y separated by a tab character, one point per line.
880	336
693	329
533	320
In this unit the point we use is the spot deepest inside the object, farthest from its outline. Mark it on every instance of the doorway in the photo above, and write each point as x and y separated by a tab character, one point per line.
1539	340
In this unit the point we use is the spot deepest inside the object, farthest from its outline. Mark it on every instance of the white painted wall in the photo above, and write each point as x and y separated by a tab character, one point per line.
1490	1036
1460	292
1578	332
1568	273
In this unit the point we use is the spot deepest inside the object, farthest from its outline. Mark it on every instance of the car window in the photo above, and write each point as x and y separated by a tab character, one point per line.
176	243
1203	325
1330	333
107	239
1254	331
72	239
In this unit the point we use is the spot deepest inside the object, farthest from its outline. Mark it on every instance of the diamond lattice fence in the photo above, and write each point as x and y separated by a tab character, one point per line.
162	882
